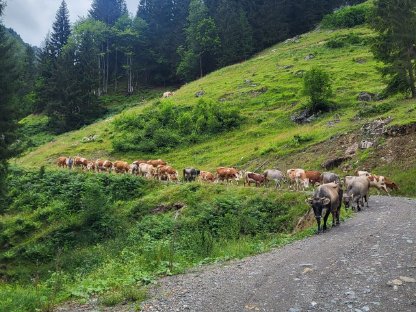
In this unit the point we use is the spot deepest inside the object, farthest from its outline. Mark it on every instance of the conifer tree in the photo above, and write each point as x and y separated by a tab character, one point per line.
202	42
108	11
8	77
61	29
235	32
395	45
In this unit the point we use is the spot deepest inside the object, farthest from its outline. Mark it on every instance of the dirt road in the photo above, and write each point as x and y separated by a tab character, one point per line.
366	264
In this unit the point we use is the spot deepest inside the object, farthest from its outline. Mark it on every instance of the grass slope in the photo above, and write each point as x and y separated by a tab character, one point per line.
266	89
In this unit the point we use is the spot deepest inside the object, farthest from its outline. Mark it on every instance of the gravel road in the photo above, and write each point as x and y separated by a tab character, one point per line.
366	264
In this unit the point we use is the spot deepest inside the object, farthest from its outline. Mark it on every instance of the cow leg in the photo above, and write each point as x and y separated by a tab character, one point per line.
318	221
326	219
334	215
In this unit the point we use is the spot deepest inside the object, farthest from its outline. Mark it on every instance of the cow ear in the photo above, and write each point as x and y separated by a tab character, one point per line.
309	200
326	201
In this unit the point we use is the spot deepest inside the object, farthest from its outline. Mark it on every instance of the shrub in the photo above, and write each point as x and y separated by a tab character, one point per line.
317	86
165	126
347	17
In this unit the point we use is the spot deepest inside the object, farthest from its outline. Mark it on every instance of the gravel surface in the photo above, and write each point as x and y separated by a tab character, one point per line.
350	268
366	264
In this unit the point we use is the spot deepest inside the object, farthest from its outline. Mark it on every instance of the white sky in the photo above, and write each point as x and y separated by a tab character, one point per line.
32	19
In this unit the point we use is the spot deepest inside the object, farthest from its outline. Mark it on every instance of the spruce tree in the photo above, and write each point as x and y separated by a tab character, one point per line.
395	45
202	42
235	32
8	76
108	11
61	29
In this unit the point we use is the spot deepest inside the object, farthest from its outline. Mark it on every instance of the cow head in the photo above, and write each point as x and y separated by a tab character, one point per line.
318	204
347	199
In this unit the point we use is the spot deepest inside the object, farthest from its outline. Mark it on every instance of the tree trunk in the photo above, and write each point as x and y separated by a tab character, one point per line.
200	65
411	72
115	73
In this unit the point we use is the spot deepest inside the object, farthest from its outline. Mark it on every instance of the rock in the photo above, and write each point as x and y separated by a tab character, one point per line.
395	282
365	308
366	144
357	310
299	73
333	163
313	303
307	270
366	97
407	279
306	265
294	310
352	149
376	127
350	295
288	66
304	116
295	39
199	93
309	57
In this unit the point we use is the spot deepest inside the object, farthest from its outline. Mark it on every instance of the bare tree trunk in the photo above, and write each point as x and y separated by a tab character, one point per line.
107	67
411	73
115	72
200	64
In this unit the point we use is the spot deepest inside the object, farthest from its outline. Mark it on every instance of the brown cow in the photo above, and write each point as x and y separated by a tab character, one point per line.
155	163
120	166
166	173
251	177
62	162
80	162
312	177
107	165
390	184
99	165
228	174
206	176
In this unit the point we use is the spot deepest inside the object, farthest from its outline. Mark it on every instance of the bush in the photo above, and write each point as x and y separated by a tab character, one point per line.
165	126
317	86
347	17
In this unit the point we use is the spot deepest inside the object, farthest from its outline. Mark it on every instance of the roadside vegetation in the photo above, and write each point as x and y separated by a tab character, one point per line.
68	235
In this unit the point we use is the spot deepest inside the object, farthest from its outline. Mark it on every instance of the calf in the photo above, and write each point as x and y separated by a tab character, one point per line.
61	162
190	174
297	177
357	192
251	177
206	176
329	197
168	94
107	165
274	175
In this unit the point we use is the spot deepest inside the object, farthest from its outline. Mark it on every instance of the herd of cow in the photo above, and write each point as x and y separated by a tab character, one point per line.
328	196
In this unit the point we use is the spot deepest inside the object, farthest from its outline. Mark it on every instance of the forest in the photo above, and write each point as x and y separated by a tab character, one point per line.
166	43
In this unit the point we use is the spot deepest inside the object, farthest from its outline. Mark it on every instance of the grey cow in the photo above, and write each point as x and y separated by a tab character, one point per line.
274	175
357	191
327	197
329	177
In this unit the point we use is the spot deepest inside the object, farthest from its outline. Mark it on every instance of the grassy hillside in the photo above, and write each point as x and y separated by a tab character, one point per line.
72	235
266	90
